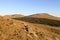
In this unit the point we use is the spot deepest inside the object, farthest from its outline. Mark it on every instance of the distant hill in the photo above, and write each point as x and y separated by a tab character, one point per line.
44	15
14	16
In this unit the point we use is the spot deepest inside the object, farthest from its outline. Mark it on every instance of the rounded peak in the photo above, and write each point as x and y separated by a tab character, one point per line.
17	15
14	16
44	15
40	15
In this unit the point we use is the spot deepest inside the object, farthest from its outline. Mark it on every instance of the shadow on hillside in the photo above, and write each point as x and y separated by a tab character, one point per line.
40	21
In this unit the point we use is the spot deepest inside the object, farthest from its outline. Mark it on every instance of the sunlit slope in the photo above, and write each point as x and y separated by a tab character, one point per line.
11	29
42	28
44	15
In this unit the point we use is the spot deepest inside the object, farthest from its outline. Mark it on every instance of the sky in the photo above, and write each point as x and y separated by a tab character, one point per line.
28	7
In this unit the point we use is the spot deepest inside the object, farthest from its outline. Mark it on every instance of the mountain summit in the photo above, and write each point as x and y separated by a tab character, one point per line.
44	15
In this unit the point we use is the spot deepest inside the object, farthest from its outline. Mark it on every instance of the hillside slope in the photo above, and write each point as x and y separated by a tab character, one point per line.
11	29
44	15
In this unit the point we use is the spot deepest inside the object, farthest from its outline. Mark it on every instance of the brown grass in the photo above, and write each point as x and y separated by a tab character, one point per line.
11	29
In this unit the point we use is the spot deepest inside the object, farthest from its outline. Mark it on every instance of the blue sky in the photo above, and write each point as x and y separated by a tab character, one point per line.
28	7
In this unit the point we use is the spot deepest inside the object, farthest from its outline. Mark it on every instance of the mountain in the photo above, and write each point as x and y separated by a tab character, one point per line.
14	29
14	16
44	15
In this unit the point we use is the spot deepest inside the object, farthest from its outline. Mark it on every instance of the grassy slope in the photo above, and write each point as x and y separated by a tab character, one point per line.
11	29
43	28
